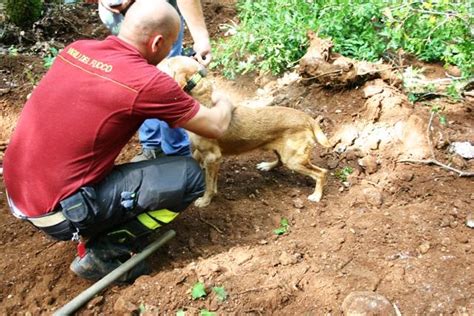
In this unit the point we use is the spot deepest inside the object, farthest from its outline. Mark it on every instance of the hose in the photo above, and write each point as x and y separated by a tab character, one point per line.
89	293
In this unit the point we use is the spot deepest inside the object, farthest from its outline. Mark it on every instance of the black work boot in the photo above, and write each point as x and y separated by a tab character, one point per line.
103	256
148	154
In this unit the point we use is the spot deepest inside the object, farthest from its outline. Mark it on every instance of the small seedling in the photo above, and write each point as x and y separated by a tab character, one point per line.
343	173
220	292
205	312
12	51
442	118
142	308
453	92
283	227
412	97
198	291
49	59
180	313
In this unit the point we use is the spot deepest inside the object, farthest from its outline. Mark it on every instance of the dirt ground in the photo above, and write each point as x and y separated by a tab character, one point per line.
398	230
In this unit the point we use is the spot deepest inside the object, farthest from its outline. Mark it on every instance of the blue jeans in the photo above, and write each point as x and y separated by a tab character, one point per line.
154	133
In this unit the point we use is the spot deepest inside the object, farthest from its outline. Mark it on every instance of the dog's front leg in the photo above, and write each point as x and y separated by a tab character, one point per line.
212	163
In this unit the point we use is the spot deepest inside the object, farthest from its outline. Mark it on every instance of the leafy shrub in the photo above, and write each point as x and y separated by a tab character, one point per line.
271	35
23	13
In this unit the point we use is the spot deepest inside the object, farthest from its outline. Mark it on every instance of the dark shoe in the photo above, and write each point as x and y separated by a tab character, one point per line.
103	256
92	267
148	154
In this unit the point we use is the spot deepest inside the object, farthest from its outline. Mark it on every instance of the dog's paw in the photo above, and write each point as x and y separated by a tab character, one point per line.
202	202
315	197
265	166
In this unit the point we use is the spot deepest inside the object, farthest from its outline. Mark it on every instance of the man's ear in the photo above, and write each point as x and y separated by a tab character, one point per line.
156	42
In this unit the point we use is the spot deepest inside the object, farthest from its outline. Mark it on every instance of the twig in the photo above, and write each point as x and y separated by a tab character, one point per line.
47	247
210	224
380	70
436	162
428	135
256	289
324	74
433	160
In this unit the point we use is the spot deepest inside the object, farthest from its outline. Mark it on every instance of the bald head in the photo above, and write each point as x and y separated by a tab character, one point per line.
146	19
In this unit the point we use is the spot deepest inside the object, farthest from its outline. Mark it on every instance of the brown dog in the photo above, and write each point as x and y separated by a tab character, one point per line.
288	132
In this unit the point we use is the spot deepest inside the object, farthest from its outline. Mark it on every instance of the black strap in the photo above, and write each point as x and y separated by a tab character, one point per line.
195	79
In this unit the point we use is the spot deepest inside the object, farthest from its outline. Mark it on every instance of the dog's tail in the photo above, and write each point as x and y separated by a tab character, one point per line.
319	134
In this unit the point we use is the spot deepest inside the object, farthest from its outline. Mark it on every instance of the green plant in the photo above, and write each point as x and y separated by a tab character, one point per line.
205	312
50	57
453	92
442	118
220	292
12	51
343	173
271	35
23	13
283	227
198	290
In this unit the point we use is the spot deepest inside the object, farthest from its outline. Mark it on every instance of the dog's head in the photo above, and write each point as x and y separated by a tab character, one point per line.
190	76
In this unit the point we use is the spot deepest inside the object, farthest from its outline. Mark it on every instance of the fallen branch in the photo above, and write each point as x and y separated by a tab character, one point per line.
436	162
256	289
339	71
433	160
210	224
49	245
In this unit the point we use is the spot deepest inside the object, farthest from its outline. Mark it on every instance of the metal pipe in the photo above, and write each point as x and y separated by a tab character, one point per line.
86	295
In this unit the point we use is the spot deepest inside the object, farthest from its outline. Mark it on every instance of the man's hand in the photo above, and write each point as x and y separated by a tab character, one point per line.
202	47
212	122
117	9
191	10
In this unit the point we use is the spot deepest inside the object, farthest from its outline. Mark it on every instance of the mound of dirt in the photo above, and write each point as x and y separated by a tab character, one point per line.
399	231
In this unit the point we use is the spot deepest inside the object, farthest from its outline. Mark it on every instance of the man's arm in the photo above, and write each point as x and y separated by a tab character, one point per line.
191	10
212	122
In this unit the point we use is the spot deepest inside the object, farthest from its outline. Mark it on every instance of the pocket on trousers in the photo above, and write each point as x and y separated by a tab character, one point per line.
80	208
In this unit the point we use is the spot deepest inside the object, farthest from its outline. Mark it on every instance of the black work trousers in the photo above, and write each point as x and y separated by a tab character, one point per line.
130	192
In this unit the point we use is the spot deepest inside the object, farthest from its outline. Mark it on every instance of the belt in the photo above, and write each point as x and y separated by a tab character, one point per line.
47	220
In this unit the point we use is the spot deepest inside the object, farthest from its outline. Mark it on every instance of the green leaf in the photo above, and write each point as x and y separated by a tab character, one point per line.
280	231
443	120
205	312
180	313
284	222
198	291
412	97
142	308
220	292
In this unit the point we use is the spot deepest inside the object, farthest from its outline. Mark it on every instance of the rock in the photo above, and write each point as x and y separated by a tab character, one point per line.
333	163
124	306
406	176
367	303
373	196
424	247
369	163
287	259
458	162
242	257
454	71
298	203
370	91
96	301
470	220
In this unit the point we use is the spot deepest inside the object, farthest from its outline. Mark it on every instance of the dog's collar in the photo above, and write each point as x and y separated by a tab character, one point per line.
193	81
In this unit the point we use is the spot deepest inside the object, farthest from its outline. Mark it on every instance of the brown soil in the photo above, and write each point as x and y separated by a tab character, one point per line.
399	230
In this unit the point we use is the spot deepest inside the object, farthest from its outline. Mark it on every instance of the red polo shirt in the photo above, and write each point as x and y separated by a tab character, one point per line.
80	116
